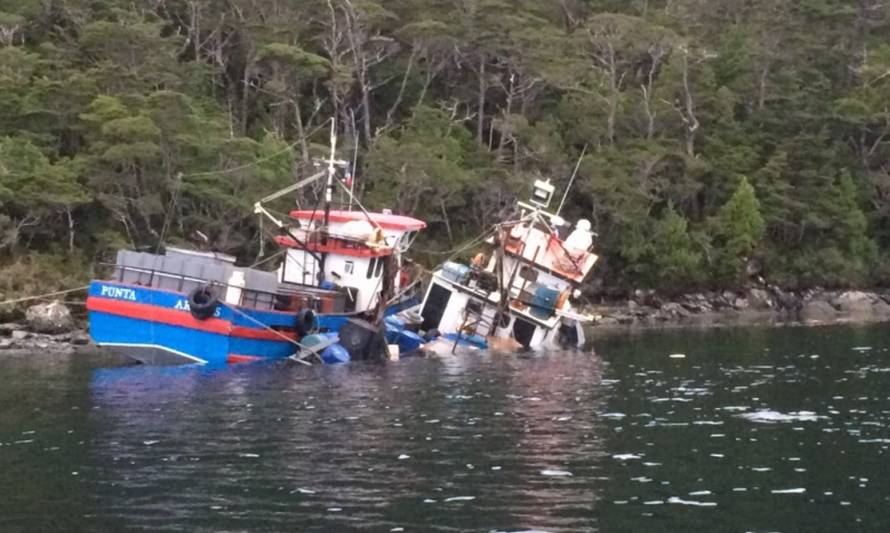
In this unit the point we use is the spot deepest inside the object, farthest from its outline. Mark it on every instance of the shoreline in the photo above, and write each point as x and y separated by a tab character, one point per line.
644	312
752	308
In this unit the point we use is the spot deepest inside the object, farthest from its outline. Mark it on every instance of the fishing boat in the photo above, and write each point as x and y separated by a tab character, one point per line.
518	292
331	299
343	289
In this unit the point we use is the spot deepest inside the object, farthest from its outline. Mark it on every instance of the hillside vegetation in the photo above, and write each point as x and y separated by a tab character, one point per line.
721	139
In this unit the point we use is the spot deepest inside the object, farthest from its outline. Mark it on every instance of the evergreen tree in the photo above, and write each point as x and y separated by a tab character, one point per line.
674	256
737	230
134	123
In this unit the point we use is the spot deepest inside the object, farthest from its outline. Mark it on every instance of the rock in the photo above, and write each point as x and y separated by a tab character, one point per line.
694	307
818	311
607	321
625	319
80	338
759	299
676	310
19	335
6	344
740	303
53	317
881	310
854	302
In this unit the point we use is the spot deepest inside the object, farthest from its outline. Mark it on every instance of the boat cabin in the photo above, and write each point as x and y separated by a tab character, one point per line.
520	288
350	256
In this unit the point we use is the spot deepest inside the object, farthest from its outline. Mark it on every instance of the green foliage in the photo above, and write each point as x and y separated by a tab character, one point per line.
122	123
737	230
423	168
674	256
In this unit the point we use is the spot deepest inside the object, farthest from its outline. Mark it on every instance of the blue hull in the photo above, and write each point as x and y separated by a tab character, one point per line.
155	326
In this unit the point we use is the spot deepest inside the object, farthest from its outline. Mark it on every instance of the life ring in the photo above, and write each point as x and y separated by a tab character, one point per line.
203	302
306	322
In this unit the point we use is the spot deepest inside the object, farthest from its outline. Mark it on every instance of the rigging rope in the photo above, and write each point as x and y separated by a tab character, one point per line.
245	166
41	296
276	332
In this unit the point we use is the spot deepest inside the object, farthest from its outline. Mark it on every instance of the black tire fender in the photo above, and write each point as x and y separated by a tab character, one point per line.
203	302
306	322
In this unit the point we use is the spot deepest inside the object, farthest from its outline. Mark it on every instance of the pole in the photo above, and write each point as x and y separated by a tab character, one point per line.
329	189
571	180
354	160
328	196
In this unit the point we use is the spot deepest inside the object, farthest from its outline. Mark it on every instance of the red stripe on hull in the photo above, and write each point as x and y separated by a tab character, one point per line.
235	358
261	334
174	317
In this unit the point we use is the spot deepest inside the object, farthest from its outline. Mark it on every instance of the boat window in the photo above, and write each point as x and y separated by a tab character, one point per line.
528	274
379	267
371	264
349	267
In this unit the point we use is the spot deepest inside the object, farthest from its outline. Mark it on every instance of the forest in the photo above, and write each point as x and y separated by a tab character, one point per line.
716	141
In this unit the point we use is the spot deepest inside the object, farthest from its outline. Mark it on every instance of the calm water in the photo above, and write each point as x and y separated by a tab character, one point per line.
754	430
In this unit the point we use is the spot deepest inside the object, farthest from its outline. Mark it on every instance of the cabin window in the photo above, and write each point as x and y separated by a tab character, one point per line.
349	267
528	274
379	267
371	264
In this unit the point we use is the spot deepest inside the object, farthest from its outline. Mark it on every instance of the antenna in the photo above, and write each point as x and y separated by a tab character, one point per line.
572	180
329	190
354	160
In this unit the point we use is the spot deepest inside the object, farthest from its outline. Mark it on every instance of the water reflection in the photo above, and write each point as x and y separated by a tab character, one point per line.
435	445
753	430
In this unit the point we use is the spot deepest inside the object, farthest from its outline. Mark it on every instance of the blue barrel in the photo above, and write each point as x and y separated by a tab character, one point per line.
335	354
396	333
544	302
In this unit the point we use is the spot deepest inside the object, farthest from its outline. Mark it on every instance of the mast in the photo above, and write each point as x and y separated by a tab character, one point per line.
329	188
328	197
571	180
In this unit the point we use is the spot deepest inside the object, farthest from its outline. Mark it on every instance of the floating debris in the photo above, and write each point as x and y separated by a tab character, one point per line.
459	499
677	356
788	491
556	473
769	416
680	501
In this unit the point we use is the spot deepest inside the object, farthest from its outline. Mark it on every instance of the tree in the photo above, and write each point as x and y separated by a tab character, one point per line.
674	256
35	195
736	231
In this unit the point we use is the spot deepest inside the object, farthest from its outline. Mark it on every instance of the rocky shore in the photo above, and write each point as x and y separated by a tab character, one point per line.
753	307
46	327
51	327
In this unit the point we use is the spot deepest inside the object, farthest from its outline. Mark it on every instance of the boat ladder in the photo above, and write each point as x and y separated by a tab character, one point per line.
473	320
